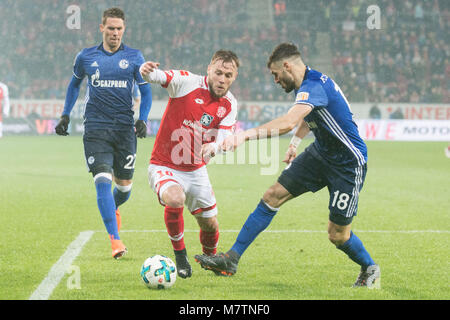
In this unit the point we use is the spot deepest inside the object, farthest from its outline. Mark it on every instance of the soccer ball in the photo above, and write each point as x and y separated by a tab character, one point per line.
159	272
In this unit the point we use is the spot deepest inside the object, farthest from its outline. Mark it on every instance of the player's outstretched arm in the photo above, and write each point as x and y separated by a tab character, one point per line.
71	97
276	127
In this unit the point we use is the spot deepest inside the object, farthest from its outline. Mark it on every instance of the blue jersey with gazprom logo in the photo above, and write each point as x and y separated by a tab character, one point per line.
111	80
331	120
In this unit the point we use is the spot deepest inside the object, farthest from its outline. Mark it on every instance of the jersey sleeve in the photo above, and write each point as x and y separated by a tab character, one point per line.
180	82
137	75
78	69
312	94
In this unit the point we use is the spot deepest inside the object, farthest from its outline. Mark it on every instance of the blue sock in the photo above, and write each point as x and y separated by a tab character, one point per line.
121	194
107	207
256	222
355	250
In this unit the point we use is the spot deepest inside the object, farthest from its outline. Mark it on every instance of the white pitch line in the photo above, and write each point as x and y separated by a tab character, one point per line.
59	269
302	231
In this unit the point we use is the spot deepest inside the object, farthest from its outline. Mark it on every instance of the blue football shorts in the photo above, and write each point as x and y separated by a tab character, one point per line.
107	148
310	172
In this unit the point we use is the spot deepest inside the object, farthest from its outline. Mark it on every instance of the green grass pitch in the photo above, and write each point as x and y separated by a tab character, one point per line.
47	198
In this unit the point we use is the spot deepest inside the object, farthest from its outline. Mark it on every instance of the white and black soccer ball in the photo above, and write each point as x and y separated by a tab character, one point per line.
159	272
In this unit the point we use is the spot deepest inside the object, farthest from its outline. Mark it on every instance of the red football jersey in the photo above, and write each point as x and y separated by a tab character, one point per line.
192	118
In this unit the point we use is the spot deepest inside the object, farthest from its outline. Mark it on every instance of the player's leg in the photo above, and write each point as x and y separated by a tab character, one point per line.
209	234
293	182
201	202
124	163
121	194
261	217
174	198
257	221
344	194
122	190
167	184
99	159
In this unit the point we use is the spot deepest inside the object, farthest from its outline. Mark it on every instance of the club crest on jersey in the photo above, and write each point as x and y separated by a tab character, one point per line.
123	64
221	112
199	101
206	119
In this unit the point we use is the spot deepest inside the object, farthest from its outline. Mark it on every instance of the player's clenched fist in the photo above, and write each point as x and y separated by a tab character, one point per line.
232	142
291	153
62	126
209	150
140	128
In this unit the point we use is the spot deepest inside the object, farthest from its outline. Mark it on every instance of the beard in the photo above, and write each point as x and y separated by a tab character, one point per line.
288	86
214	93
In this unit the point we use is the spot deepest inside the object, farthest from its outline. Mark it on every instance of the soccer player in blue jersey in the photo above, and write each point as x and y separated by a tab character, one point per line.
337	159
112	70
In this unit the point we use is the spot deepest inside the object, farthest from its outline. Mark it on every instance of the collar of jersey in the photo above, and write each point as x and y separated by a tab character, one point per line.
306	73
100	47
304	78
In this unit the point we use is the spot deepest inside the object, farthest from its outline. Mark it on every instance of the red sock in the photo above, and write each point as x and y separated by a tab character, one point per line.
209	241
173	217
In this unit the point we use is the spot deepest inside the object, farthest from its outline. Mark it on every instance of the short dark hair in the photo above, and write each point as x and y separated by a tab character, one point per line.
113	13
283	51
226	56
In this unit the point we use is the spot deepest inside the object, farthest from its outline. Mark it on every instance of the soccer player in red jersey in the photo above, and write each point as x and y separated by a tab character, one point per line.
4	104
200	114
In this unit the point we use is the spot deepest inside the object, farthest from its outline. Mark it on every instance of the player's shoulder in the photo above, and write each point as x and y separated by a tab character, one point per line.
186	73
314	78
313	91
89	50
85	52
232	99
188	76
131	50
314	81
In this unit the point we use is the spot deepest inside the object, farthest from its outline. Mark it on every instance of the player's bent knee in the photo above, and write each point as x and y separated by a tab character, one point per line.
174	197
338	234
276	195
338	238
208	224
102	168
120	183
102	175
124	188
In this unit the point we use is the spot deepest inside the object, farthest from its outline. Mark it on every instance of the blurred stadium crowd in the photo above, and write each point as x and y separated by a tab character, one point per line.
407	60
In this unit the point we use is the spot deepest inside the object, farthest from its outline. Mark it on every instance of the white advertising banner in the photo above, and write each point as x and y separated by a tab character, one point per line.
248	110
422	122
267	110
404	130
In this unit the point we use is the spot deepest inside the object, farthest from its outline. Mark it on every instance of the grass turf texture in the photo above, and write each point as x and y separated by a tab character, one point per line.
48	197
